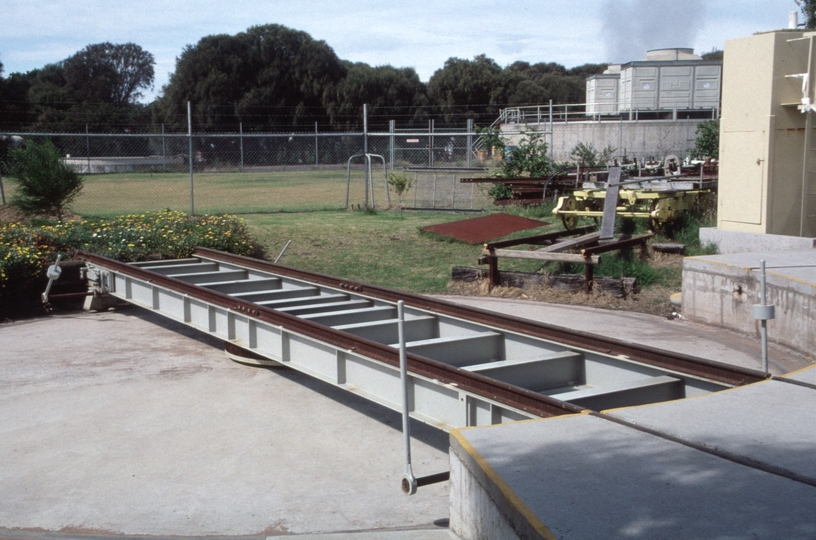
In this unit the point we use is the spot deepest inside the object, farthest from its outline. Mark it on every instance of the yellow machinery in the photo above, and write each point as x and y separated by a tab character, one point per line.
660	200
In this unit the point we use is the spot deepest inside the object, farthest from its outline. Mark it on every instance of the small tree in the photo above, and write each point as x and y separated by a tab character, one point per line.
45	184
527	158
401	184
707	141
808	8
587	156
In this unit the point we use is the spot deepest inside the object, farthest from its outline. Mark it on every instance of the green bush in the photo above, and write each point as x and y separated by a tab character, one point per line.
587	156
45	184
707	141
26	250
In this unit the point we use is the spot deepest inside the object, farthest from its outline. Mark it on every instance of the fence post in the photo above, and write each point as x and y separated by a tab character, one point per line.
469	142
164	151
392	127
552	141
190	156
241	141
317	155
365	153
88	148
430	143
365	128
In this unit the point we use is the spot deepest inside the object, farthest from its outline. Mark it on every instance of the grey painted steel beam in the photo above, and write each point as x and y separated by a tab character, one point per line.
258	311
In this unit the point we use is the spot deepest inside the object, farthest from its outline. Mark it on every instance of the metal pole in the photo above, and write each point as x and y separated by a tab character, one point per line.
317	154
283	251
365	128
88	148
470	142
2	191
430	143
409	483
365	151
191	157
164	151
764	327
241	141
552	142
392	127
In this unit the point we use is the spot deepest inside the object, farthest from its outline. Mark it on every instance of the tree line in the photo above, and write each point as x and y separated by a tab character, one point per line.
270	78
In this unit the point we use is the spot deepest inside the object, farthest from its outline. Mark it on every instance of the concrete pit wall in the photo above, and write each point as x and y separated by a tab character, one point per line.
479	508
722	289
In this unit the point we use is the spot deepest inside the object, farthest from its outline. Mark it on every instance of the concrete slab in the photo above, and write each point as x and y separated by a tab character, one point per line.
422	534
721	290
771	423
127	423
806	375
743	242
693	338
587	477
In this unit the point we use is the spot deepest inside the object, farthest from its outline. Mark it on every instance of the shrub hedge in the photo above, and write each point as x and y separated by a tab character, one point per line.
25	251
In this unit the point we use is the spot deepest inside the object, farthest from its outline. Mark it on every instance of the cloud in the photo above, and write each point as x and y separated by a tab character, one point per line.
634	27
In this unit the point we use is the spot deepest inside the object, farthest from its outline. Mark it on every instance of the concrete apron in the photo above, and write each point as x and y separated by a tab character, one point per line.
113	424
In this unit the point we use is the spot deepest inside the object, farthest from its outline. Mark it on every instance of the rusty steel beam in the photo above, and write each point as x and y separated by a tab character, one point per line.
503	393
682	363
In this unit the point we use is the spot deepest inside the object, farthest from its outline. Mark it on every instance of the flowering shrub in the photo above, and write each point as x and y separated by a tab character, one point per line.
26	251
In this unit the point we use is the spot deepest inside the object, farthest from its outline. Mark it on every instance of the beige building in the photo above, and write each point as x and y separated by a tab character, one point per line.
767	161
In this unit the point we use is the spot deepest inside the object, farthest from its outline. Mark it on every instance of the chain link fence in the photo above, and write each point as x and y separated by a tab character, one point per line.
242	173
254	173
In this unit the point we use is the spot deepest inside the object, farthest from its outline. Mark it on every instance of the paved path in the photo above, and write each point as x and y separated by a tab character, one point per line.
127	423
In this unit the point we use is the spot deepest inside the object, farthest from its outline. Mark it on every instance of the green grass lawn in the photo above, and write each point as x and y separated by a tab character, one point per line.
383	248
109	195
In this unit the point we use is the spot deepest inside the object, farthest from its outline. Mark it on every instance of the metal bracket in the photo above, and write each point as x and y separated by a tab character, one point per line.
53	274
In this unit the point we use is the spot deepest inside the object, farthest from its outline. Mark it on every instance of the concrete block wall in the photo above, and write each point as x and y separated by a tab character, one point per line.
721	290
641	139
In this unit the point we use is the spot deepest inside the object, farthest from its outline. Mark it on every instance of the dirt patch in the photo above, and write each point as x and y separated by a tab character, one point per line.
653	300
482	229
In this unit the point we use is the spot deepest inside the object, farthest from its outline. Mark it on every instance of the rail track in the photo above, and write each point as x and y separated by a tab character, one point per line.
467	367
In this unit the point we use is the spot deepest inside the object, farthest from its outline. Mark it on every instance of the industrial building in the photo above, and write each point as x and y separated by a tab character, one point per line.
665	79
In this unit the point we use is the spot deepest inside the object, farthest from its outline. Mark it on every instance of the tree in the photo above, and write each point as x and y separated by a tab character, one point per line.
586	155
713	54
267	77
45	184
14	105
466	88
808	8
707	141
585	70
390	93
108	73
401	184
99	85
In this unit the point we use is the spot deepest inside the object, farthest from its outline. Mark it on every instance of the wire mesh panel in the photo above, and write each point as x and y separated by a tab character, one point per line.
271	173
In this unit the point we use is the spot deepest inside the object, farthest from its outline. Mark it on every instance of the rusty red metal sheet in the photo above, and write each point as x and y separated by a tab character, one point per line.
482	229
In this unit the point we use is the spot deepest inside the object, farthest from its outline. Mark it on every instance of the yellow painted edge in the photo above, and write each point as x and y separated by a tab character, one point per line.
506	490
791	278
522	421
798	371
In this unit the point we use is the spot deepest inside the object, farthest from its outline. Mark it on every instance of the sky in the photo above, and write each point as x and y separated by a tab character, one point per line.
421	33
